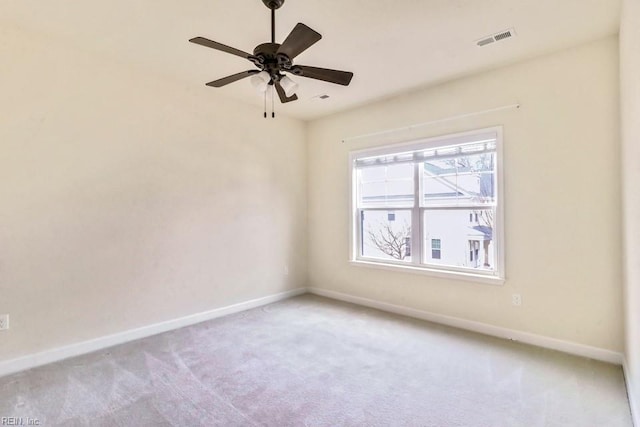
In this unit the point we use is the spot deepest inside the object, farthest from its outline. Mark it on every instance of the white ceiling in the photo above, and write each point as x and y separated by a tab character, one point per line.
391	46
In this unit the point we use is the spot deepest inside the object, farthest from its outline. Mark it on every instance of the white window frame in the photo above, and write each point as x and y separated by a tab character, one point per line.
496	277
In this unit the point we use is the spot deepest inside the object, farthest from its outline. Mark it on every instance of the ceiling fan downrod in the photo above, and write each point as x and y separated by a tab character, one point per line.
273	5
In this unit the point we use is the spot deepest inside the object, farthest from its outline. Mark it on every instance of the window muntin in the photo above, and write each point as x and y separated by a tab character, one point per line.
444	195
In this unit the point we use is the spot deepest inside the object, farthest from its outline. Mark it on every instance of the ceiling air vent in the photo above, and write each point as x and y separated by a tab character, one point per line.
496	37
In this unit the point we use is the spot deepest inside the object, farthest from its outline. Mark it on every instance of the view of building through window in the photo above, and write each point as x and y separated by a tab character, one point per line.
434	206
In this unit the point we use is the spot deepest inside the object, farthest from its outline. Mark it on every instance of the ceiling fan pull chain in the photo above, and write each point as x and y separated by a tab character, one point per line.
265	104
273	112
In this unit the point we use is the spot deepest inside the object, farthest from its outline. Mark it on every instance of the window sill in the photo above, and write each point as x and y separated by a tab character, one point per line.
452	275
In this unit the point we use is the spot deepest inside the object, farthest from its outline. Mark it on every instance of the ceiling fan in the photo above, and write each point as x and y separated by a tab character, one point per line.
273	59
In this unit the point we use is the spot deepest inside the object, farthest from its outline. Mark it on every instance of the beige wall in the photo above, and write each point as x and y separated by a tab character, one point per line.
127	199
562	196
630	102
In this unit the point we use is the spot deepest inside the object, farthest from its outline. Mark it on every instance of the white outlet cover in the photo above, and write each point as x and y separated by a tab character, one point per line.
516	299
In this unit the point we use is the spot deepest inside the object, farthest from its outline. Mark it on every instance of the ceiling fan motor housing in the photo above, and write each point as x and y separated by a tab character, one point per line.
267	58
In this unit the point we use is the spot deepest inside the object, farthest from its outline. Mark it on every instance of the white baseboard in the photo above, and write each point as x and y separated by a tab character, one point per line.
632	394
483	328
54	355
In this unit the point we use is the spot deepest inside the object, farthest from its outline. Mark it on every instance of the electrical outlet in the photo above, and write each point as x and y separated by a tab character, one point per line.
516	299
286	270
4	322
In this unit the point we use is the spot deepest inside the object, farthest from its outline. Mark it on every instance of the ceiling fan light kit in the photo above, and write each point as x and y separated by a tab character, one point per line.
290	87
261	81
272	60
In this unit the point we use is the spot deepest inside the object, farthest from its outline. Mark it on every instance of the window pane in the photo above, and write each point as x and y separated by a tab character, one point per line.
386	234
455	241
390	185
460	180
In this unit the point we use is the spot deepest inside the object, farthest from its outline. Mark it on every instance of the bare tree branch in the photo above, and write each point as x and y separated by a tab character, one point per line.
396	244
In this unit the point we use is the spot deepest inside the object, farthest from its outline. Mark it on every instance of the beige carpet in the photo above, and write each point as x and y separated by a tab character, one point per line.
309	361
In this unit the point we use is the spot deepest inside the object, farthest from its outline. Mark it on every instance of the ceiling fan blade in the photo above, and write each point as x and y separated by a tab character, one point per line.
233	78
219	46
282	95
325	74
299	40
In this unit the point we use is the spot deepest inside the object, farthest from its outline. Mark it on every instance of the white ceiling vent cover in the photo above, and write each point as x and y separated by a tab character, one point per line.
502	35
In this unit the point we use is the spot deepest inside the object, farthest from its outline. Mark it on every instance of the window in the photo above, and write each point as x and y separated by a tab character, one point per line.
474	249
435	248
432	205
